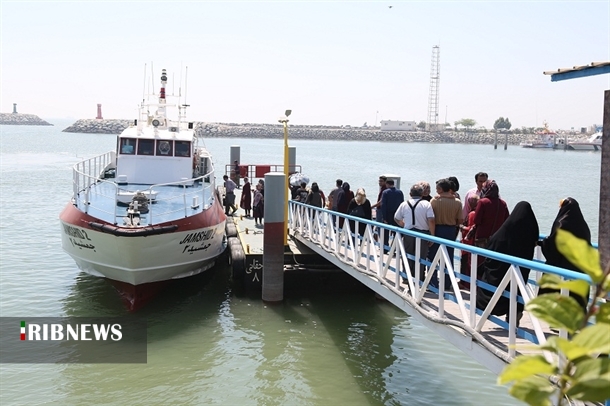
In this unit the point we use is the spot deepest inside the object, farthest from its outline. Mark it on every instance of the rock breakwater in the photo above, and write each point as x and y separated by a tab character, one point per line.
95	126
21	119
248	130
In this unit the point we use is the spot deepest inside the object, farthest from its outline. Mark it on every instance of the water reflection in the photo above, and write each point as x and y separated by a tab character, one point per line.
329	342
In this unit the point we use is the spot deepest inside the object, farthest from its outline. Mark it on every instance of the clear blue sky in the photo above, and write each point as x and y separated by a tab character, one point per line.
332	63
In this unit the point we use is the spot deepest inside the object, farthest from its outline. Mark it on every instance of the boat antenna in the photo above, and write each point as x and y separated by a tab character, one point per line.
186	76
144	87
152	78
180	85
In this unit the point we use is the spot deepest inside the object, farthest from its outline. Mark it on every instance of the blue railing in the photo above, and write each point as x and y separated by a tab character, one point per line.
391	268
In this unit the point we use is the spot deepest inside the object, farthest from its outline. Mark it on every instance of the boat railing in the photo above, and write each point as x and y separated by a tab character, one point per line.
92	192
190	199
390	266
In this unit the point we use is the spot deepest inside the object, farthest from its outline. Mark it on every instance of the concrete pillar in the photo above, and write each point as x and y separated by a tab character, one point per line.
14	108
292	159
273	238
99	112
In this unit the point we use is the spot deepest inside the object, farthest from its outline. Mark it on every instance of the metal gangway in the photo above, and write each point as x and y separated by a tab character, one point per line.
448	310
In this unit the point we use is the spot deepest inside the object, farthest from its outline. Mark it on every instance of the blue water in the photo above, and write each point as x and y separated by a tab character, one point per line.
325	345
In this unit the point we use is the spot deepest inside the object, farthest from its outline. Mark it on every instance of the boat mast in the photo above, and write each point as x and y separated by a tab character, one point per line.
161	110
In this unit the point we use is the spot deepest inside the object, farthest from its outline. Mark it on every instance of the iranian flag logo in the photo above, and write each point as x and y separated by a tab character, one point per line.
22	330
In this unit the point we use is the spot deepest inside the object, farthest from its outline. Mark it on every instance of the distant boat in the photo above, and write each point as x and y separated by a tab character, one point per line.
148	212
543	139
594	143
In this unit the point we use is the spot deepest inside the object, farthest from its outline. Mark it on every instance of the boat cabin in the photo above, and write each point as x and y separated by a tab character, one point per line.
159	157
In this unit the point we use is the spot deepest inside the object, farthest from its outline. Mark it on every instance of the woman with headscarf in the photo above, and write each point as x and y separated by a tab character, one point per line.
516	237
490	214
359	206
570	219
465	227
246	197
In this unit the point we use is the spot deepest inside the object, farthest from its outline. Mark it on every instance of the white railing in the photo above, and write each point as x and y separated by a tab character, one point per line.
391	269
92	193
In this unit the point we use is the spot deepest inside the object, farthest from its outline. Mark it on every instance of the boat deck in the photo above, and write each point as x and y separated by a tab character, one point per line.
106	200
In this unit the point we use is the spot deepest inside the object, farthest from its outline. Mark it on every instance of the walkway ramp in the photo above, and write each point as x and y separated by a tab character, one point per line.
447	310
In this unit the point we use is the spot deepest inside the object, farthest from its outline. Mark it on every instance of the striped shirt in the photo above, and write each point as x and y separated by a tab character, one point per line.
447	211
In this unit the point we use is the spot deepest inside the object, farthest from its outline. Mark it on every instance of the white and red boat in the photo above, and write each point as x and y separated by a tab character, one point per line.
545	138
148	212
594	143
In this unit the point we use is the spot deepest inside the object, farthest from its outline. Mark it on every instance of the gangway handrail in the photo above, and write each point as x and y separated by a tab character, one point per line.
320	226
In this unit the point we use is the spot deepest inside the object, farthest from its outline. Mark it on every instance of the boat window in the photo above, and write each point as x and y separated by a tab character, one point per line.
183	148
146	147
127	146
164	148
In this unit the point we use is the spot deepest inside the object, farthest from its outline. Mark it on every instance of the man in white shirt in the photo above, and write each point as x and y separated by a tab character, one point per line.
416	214
479	178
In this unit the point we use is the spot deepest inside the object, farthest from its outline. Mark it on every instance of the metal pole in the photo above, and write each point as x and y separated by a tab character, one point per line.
604	190
286	185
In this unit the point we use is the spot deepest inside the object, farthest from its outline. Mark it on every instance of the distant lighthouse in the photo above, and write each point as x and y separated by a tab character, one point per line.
14	108
99	112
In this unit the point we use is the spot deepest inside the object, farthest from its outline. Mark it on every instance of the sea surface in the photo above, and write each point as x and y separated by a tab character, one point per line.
329	343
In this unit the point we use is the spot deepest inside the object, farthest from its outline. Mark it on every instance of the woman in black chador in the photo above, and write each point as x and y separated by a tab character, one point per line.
516	237
570	219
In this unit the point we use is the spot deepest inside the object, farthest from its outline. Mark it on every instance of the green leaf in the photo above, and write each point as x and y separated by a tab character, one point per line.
555	282
603	314
580	253
571	350
577	286
592	378
557	310
524	366
549	280
534	390
595	338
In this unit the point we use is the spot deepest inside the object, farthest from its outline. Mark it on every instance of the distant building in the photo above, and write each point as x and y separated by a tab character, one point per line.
391	125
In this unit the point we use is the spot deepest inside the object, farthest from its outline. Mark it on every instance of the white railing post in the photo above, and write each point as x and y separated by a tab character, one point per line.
473	289
512	312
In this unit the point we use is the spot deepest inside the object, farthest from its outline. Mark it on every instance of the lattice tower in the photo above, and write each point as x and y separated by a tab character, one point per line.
435	78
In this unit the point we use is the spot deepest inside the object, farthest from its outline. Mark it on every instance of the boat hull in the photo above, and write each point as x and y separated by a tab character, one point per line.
531	145
188	247
583	146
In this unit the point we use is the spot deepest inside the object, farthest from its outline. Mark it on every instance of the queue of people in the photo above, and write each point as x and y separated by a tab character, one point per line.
481	219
